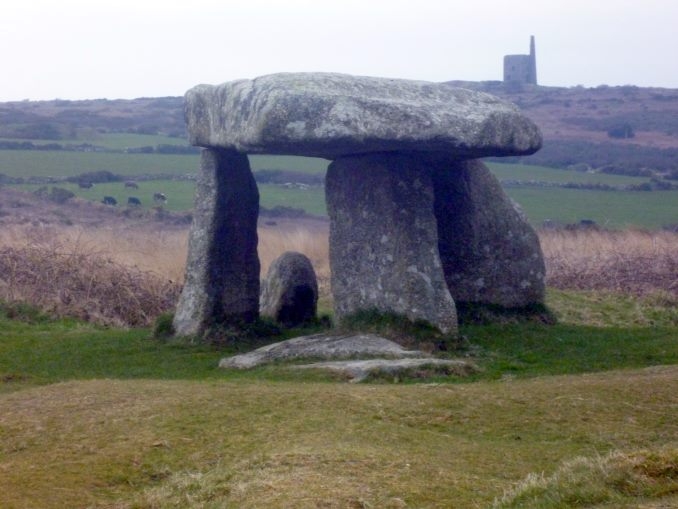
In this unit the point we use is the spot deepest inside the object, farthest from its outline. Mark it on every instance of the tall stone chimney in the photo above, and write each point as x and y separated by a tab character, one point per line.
533	62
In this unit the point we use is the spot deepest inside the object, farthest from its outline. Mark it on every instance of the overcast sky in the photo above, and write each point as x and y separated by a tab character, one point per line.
74	49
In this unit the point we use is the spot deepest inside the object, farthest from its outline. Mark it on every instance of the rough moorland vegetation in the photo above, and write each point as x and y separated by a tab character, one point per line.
129	277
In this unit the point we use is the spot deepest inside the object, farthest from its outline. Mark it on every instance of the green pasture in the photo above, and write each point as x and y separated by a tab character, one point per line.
121	141
613	209
110	141
313	165
59	163
180	195
543	174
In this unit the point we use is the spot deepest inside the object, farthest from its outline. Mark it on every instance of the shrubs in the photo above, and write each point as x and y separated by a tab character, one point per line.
96	177
56	194
55	274
82	285
631	159
623	131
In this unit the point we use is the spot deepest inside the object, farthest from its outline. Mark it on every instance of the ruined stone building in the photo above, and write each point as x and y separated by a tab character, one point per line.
521	68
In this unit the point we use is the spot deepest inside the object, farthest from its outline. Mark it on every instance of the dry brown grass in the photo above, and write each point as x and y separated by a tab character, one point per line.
632	262
90	273
120	276
162	252
73	276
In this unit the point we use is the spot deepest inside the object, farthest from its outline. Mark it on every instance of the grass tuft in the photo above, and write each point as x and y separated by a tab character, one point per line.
163	328
23	312
245	336
616	478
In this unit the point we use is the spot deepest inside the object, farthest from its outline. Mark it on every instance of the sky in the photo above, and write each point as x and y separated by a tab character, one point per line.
124	49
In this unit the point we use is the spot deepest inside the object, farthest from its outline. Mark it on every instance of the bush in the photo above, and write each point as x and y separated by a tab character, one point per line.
96	177
621	131
56	194
22	312
634	159
60	195
282	211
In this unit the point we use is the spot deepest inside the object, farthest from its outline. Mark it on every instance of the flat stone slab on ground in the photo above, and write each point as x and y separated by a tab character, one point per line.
361	369
321	346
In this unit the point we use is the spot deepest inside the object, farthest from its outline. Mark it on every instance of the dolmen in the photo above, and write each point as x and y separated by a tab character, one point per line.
417	221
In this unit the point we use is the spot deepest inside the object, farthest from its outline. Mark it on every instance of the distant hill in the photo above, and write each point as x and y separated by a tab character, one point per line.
627	129
79	120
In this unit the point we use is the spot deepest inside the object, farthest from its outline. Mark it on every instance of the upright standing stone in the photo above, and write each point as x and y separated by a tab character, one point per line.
490	253
222	270
383	239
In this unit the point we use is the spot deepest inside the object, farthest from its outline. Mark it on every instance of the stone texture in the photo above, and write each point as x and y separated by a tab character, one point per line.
333	115
383	239
320	346
289	294
490	253
222	270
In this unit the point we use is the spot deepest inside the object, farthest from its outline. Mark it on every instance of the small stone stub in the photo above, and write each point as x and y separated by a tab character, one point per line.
289	294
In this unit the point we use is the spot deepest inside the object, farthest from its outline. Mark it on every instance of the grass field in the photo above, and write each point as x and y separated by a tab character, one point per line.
35	163
93	417
543	174
180	194
618	209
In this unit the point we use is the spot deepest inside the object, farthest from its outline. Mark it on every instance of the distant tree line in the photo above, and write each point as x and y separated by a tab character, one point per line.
164	149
